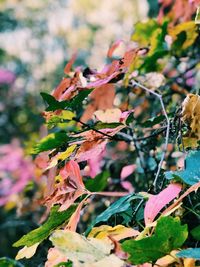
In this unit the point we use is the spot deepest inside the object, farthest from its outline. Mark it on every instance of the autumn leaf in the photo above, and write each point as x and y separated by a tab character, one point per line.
68	187
155	203
85	252
191	114
118	232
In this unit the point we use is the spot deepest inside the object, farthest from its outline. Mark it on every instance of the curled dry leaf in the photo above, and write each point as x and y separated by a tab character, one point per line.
68	188
191	114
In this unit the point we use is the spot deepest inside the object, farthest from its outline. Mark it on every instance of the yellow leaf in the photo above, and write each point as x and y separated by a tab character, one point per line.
26	252
189	28
67	115
62	156
118	232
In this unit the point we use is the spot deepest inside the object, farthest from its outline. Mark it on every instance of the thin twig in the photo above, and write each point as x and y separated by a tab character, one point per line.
134	83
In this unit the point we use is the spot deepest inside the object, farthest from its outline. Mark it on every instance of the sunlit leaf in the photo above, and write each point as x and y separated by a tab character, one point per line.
51	141
190	30
118	232
62	156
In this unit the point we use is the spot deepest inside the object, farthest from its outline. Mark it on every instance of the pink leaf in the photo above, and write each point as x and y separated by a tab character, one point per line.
157	202
127	170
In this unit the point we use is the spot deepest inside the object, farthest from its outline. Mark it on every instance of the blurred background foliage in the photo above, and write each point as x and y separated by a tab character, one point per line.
36	40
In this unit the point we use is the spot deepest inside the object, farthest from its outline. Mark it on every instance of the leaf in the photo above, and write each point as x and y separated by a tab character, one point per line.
157	202
51	141
143	31
117	208
6	262
64	116
55	257
101	98
27	252
191	114
190	30
102	125
72	104
193	253
118	232
55	220
113	47
76	102
190	142
52	103
61	156
195	232
153	121
169	234
69	64
85	252
108	115
99	183
191	174
69	186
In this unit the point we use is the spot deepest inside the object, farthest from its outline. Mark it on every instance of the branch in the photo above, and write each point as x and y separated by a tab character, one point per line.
134	83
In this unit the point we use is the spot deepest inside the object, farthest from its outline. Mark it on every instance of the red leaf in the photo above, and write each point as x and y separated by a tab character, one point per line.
69	188
68	66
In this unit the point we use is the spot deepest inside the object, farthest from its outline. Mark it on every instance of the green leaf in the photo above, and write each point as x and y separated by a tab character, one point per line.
103	125
64	264
153	121
117	208
191	174
52	103
6	262
72	104
196	232
51	141
189	253
76	102
55	220
143	31
99	183
169	234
